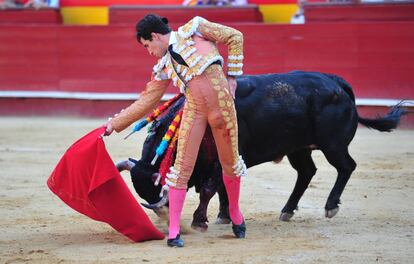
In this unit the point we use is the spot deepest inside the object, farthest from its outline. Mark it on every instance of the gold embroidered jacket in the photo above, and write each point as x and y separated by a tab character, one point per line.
196	43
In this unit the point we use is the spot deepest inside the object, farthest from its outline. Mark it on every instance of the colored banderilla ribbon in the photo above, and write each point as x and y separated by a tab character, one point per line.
171	132
167	161
157	111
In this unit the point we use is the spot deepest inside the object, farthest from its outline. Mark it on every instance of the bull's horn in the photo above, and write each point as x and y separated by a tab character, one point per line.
156	178
125	165
161	203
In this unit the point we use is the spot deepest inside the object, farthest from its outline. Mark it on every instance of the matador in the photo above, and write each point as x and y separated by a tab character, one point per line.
190	58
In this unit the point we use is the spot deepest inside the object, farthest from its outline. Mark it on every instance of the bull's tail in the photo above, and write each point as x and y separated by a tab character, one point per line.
386	123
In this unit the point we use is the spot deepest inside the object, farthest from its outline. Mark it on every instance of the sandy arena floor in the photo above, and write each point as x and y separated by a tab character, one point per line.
374	225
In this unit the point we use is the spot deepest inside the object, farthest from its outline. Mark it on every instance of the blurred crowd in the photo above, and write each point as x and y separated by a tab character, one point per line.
215	2
4	4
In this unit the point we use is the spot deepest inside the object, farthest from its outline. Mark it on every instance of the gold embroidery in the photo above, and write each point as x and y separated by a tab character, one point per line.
188	119
229	36
226	105
198	63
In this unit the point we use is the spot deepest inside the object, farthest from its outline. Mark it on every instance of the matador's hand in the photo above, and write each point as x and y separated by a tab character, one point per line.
109	129
233	85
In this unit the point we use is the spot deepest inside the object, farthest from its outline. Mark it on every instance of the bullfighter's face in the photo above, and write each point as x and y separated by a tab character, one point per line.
155	47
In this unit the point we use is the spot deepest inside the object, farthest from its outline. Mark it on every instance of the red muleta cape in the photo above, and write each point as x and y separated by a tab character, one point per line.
87	180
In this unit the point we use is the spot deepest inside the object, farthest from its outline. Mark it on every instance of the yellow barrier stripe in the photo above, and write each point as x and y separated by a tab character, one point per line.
93	15
278	13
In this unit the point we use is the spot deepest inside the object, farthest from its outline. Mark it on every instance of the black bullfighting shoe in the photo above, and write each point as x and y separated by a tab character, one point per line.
175	242
239	230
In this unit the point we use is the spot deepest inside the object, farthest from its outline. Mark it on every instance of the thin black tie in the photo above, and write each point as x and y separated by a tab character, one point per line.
177	57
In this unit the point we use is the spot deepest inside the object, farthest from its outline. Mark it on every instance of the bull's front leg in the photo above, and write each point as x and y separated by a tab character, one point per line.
200	220
223	216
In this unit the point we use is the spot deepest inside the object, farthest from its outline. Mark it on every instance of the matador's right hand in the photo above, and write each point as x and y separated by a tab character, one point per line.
232	85
109	129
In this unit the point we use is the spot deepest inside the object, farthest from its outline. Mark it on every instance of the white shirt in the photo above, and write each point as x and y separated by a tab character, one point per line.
173	39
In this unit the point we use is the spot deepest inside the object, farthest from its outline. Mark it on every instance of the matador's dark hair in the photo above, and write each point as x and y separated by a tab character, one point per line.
152	23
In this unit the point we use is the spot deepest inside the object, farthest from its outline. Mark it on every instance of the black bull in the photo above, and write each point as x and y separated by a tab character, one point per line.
278	115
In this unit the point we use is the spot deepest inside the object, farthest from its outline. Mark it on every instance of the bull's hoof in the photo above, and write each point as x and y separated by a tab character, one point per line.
202	227
125	165
331	213
222	221
285	217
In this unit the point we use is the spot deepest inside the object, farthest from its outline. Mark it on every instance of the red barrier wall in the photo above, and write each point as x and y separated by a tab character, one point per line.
339	12
178	14
25	16
376	58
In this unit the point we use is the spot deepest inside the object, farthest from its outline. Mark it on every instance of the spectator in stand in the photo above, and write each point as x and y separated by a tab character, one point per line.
28	3
190	2
202	2
238	2
42	3
299	16
353	1
4	4
215	2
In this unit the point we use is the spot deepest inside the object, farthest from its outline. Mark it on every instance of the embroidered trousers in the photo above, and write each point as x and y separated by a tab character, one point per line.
209	101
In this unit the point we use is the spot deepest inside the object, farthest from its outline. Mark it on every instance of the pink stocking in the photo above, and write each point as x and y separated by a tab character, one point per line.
176	200
233	193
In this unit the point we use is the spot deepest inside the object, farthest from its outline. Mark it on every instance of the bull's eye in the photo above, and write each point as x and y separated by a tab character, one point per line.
154	126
